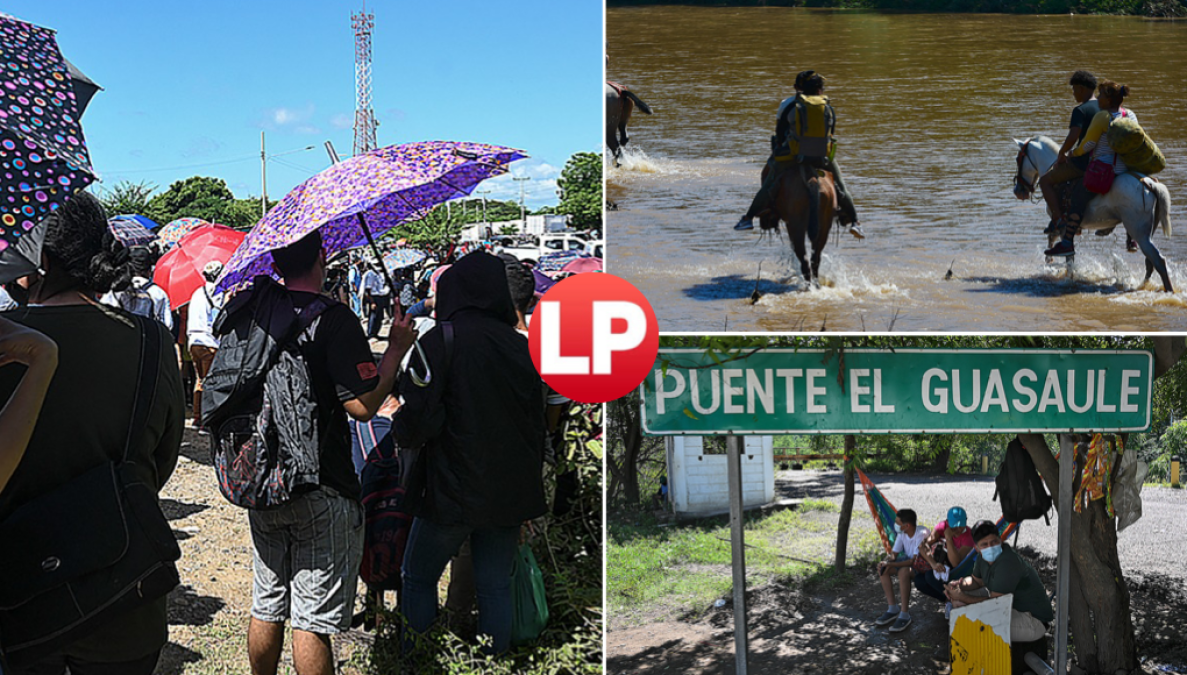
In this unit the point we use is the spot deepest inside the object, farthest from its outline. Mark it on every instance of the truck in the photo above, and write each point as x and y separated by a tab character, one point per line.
529	248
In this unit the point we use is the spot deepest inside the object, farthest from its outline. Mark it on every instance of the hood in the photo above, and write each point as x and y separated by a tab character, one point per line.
476	282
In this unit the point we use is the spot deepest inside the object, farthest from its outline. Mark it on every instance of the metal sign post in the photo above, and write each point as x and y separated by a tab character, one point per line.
1067	450
733	446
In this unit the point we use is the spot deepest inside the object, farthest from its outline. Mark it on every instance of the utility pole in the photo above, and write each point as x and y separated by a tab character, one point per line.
263	178
522	180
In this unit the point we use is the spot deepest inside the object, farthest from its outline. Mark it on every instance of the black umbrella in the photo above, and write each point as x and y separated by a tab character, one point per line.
43	155
84	87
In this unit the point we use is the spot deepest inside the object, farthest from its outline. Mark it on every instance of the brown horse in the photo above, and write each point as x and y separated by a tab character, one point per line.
803	196
620	102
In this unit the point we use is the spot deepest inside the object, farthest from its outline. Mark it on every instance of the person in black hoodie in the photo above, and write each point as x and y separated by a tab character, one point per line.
477	410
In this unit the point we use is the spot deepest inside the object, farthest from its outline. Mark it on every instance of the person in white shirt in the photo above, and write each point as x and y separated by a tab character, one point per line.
900	564
203	345
143	297
379	299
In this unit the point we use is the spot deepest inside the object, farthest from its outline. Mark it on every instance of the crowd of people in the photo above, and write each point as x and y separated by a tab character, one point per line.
473	448
960	565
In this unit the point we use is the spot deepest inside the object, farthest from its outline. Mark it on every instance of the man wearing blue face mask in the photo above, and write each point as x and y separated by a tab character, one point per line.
900	564
999	571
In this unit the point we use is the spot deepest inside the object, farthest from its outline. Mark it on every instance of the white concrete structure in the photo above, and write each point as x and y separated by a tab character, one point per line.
698	483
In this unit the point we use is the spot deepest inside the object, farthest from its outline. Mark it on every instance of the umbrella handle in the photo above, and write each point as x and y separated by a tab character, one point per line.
419	380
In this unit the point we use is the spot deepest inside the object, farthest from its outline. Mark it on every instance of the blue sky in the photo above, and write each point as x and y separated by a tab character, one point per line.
188	86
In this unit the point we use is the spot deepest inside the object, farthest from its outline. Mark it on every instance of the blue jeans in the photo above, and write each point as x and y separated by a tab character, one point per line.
430	546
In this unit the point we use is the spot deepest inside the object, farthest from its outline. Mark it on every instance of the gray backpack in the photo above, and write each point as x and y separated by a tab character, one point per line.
258	402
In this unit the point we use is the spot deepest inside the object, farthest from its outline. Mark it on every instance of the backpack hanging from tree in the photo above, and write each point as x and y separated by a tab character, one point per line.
258	401
1024	497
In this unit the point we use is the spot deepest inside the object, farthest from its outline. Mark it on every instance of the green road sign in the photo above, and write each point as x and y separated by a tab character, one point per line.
900	391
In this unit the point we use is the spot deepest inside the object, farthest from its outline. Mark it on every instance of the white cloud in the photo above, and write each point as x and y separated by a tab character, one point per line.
539	191
342	121
286	117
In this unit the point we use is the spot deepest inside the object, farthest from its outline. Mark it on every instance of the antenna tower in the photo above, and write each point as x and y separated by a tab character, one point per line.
364	116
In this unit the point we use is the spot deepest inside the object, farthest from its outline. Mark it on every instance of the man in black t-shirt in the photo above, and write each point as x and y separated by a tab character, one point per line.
307	552
1070	168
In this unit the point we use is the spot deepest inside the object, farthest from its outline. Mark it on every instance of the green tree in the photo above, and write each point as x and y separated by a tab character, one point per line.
580	187
195	197
243	214
127	197
437	230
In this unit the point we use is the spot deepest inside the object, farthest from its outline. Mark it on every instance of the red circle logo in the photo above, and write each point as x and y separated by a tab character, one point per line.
594	337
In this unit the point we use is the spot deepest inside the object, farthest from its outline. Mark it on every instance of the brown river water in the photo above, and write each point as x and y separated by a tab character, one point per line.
926	106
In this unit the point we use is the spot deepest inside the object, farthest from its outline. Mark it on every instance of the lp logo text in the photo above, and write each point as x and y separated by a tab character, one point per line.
594	337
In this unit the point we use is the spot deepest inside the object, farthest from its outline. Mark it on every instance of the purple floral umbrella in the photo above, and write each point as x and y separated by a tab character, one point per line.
384	188
43	157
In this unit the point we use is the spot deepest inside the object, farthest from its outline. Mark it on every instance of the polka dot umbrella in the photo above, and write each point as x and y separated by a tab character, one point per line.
360	198
43	156
174	230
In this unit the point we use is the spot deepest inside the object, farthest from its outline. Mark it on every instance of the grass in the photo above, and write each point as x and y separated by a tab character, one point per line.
657	571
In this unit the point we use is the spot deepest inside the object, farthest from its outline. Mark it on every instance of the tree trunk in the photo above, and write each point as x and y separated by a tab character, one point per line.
630	461
1104	635
940	463
846	505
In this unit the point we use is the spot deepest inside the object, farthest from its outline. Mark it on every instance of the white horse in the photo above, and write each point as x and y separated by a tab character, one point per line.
1138	202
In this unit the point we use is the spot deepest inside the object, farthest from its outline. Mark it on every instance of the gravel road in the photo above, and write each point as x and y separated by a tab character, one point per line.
1155	543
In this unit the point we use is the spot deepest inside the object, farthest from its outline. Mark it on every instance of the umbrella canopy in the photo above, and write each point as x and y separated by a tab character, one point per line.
42	152
144	221
387	187
403	257
179	272
83	86
582	265
130	232
172	232
554	263
543	281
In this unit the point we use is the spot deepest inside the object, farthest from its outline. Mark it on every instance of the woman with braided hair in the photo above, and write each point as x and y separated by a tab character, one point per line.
85	418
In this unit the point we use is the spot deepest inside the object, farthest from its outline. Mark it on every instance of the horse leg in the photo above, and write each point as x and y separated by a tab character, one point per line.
801	251
627	106
1154	259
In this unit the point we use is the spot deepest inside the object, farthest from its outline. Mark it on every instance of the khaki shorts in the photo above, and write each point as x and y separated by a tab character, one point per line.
1061	173
1023	626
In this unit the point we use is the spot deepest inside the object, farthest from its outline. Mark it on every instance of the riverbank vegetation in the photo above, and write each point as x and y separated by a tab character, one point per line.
1163	9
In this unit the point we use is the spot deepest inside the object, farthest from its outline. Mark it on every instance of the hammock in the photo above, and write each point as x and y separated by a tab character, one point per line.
884	514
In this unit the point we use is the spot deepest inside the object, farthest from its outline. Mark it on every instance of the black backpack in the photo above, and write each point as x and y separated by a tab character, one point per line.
258	402
1024	497
387	519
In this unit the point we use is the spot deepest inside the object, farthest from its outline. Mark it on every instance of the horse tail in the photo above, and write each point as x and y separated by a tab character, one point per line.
638	101
1162	207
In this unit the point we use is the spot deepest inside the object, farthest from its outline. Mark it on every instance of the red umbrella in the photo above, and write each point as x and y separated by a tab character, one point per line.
179	272
581	265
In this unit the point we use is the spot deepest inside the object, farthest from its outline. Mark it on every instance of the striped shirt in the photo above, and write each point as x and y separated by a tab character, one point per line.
1096	140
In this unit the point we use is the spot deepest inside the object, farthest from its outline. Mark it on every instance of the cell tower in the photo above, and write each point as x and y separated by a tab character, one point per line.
364	117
